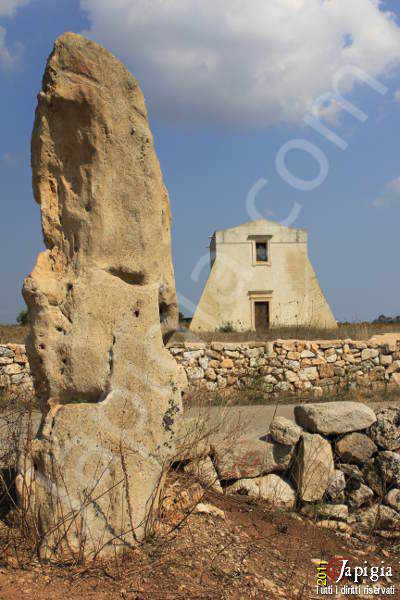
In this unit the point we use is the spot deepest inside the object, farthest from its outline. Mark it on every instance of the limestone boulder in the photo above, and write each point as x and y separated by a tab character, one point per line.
95	476
272	488
99	297
314	468
389	340
388	464
377	517
333	418
336	485
339	512
392	499
284	431
385	432
355	448
372	476
360	496
250	458
204	471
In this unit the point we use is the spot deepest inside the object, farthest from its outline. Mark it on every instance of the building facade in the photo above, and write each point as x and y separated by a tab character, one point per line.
261	277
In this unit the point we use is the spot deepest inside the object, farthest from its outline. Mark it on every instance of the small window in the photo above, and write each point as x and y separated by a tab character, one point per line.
261	252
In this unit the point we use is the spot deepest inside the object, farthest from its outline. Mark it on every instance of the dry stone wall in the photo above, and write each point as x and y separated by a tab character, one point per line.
291	366
281	367
14	368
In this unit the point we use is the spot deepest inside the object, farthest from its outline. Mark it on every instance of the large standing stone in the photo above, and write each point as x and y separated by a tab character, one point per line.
334	417
96	297
314	468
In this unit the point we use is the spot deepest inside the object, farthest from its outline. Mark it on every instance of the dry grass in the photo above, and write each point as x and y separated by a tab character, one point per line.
13	334
254	552
254	391
17	334
354	331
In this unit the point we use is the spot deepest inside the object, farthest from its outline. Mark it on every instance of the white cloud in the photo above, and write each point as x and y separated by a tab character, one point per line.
390	195
9	7
6	59
240	62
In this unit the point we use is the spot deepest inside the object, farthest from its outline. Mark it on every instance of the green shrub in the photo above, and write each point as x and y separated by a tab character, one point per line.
227	327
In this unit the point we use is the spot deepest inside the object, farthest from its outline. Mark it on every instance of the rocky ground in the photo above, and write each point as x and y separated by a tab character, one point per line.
225	539
238	549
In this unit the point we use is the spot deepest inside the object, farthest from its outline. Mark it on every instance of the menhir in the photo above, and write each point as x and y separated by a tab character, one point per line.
100	297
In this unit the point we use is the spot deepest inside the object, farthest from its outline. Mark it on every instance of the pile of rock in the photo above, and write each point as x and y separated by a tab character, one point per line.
339	463
14	368
292	366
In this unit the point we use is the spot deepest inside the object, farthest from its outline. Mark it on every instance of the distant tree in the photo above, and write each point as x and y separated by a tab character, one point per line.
23	317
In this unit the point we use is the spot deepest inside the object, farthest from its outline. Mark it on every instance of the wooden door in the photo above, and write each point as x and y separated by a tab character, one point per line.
261	316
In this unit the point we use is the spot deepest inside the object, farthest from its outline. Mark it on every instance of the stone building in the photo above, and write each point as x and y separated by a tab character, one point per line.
261	277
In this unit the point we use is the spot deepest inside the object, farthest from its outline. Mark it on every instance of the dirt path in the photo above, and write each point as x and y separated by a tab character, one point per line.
251	420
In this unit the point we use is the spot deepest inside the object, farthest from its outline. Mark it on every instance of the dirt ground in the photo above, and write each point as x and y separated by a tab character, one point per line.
252	553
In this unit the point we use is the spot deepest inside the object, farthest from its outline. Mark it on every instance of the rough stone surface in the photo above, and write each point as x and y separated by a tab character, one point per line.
338	512
378	517
336	485
269	362
334	417
392	499
314	467
96	297
389	467
355	448
204	470
209	509
251	458
284	431
271	488
386	431
360	496
372	476
192	439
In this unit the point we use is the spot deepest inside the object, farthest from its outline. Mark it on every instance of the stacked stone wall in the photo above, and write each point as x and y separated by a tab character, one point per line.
280	367
291	366
14	369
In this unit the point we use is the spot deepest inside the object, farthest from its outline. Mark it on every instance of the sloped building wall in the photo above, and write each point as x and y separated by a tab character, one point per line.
287	281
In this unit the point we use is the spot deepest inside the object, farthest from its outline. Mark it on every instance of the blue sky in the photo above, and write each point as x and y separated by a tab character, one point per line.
228	85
